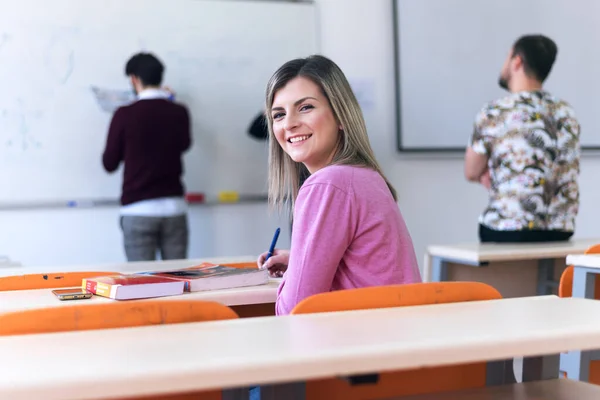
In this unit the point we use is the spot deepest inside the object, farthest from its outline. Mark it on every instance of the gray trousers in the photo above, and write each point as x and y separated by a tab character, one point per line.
144	237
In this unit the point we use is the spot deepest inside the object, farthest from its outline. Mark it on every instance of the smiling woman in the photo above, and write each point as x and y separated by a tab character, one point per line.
348	231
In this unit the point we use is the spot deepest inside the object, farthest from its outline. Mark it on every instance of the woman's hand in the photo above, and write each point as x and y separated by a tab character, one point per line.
276	264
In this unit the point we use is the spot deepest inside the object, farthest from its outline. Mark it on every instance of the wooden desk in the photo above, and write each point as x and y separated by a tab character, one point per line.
270	350
437	257
585	269
247	302
243	300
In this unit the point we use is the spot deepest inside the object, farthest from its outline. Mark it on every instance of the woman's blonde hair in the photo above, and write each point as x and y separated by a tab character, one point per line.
353	147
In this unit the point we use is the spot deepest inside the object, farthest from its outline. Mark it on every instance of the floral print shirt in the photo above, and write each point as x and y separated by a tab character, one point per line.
531	140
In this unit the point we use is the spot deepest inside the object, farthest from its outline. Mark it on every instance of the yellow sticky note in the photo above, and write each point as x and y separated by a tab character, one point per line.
229	197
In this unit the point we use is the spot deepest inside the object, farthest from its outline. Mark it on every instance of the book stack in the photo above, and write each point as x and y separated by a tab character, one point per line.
150	284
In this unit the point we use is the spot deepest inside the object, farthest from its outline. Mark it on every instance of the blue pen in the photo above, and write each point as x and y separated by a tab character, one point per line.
273	243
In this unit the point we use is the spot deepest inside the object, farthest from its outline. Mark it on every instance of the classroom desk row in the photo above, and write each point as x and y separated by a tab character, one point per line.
246	301
250	301
439	258
586	269
282	353
519	323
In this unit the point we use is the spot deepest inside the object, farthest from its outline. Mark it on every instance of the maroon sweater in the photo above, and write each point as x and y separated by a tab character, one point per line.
150	137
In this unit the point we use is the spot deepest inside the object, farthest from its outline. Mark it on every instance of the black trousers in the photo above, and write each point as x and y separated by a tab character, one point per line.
487	235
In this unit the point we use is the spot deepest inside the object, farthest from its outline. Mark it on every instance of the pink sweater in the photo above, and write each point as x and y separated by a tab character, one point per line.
348	233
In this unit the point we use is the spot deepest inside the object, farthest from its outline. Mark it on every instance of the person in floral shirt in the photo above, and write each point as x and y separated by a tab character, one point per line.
525	150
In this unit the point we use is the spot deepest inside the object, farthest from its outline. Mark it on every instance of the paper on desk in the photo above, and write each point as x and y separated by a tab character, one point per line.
110	99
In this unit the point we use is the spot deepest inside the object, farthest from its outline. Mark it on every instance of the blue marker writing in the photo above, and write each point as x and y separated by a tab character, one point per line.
273	243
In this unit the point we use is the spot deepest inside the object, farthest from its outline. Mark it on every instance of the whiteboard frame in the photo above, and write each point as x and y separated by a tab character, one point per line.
594	150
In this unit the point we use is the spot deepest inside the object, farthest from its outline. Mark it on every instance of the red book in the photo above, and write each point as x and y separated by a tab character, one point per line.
126	287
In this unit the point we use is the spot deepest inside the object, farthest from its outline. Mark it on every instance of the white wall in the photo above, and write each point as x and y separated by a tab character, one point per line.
437	203
92	236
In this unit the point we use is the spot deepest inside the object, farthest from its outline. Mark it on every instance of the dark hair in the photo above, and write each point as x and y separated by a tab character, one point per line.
146	67
538	53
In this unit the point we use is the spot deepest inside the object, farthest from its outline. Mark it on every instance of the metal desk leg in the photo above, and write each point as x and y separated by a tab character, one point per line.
287	391
426	270
577	363
541	368
545	278
583	282
439	269
500	373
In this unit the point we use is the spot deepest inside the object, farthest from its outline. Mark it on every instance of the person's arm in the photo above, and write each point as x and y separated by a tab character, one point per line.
322	232
478	151
476	165
186	138
115	147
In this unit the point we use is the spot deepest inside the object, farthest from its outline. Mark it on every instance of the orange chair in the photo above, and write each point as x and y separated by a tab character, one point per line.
402	383
565	289
118	315
48	281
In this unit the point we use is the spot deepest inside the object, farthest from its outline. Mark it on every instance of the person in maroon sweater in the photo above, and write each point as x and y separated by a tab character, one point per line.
150	136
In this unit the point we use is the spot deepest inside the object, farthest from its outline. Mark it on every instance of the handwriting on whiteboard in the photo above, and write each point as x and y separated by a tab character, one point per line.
16	122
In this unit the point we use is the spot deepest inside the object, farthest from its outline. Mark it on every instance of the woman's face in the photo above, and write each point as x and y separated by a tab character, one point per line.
304	124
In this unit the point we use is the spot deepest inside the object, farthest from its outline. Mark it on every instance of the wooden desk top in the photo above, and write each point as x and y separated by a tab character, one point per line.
488	252
584	260
126	267
19	300
197	356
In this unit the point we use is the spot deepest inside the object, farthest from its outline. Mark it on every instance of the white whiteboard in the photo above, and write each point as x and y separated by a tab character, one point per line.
450	52
218	55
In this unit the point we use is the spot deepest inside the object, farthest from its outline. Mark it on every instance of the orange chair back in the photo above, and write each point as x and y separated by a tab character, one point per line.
111	315
396	296
48	281
403	383
565	286
118	315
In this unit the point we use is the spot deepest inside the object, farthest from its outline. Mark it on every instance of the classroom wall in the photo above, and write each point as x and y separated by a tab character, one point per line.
437	203
92	236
